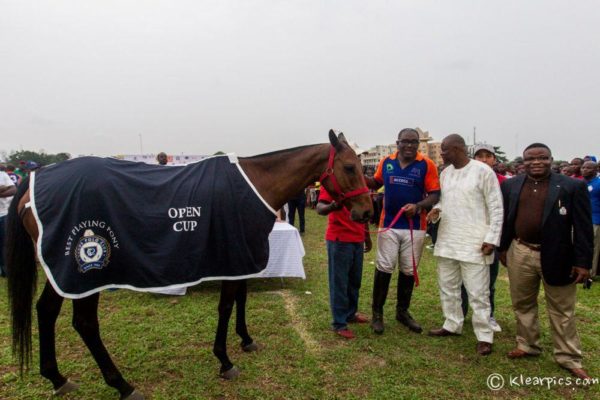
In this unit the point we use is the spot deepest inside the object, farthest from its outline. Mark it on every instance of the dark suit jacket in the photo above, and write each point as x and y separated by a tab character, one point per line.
567	240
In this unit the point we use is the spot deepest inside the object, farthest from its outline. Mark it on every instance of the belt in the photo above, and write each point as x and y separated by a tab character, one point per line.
530	246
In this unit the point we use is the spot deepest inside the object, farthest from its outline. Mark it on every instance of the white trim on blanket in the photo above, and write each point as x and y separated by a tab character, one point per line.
38	245
32	204
230	155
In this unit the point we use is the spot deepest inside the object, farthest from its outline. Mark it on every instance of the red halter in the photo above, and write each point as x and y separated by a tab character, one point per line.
339	196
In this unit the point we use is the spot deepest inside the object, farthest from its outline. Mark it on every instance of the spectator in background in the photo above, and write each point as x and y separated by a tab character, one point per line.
566	170
10	170
576	164
501	169
487	155
20	170
555	167
589	171
7	190
298	202
30	166
312	196
162	158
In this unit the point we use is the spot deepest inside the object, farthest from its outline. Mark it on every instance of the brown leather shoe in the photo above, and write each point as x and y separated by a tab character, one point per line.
578	373
441	332
518	353
484	348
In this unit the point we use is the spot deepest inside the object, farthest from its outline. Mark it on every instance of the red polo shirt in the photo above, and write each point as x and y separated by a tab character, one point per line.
340	228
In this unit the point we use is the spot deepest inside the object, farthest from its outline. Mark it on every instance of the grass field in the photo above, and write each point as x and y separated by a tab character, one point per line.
163	345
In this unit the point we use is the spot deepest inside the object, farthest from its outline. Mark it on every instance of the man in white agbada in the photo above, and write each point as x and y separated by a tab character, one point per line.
470	213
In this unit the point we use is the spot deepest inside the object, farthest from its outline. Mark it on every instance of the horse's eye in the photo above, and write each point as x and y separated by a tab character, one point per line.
349	169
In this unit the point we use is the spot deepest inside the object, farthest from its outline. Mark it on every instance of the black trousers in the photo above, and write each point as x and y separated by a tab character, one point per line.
299	204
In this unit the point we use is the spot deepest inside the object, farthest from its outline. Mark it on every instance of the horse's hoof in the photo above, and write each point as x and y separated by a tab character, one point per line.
231	373
249	348
135	395
68	387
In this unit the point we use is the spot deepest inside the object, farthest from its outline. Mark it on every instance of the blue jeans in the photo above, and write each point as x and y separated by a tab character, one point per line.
345	275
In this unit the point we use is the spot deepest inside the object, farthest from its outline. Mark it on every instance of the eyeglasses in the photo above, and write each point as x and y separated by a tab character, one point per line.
532	159
408	141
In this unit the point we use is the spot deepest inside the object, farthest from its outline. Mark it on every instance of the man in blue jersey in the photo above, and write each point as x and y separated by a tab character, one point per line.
411	183
589	171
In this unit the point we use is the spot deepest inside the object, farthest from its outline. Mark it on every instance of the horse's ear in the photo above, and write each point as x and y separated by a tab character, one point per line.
342	138
333	139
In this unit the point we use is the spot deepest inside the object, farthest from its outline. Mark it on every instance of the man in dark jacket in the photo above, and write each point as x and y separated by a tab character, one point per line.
547	237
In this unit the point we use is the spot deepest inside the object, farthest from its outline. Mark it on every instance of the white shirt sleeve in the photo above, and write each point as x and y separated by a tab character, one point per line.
439	205
5	179
495	208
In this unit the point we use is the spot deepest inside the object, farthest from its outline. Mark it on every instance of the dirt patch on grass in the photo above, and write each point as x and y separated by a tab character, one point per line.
298	323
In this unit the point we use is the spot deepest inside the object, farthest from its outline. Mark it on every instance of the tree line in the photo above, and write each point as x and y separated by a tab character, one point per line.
42	158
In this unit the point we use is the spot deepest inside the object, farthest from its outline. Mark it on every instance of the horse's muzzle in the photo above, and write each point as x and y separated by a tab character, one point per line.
359	216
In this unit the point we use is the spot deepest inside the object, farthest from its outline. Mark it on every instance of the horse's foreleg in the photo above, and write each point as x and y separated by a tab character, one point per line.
240	317
85	322
228	290
48	307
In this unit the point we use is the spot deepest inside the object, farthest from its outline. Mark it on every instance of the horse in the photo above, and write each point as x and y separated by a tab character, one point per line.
277	177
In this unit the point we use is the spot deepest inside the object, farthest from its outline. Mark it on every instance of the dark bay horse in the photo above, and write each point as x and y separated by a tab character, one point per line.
277	176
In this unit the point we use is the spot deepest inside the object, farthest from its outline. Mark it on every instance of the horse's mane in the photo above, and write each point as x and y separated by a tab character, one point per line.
277	152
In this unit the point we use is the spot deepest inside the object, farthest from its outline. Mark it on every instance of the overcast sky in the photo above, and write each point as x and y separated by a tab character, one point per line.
196	77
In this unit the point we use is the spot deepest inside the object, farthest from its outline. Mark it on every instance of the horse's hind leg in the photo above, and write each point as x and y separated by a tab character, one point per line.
85	322
228	290
48	307
241	329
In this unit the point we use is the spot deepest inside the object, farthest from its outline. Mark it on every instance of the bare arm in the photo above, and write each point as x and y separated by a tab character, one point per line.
368	241
7	191
428	202
372	183
324	208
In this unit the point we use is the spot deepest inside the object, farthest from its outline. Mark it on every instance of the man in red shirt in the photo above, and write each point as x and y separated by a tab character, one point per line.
576	164
346	242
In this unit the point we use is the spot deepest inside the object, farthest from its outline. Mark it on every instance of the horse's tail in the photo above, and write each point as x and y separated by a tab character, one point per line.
21	272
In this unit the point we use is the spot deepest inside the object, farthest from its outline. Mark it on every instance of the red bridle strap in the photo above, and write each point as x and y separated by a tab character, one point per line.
339	196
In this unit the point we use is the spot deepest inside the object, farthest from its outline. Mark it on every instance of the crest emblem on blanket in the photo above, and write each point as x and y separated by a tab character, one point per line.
92	252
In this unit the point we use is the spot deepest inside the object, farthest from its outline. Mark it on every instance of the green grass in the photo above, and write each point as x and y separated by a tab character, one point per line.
163	345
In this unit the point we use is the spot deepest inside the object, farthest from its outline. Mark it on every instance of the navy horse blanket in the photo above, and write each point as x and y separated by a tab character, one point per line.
106	223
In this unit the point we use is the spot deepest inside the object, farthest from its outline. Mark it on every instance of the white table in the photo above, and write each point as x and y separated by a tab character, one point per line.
285	253
285	256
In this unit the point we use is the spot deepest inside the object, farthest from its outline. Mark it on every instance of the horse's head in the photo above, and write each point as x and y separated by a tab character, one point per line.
344	179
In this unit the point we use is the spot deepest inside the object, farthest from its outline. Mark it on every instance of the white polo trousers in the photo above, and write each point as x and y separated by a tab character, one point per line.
394	246
476	278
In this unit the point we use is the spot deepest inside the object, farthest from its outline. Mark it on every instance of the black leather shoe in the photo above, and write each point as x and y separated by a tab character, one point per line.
441	332
404	317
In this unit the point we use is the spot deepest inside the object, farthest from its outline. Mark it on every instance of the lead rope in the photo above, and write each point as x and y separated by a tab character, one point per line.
412	242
